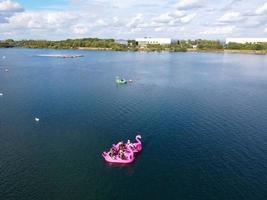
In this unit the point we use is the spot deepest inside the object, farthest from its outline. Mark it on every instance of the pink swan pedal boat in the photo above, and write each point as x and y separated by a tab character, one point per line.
129	157
131	148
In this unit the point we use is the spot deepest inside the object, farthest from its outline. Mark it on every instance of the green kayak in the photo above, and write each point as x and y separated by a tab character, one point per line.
121	80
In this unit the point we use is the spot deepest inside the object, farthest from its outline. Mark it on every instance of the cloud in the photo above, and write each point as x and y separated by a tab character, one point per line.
101	23
188	4
80	29
262	9
178	13
165	21
116	22
9	8
40	20
135	21
231	17
164	18
159	29
231	4
173	19
133	18
218	30
255	21
188	18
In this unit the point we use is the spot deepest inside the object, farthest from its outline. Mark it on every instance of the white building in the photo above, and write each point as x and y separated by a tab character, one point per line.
246	40
148	40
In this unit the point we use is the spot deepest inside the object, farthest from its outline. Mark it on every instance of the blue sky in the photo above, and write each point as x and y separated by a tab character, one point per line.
39	4
128	19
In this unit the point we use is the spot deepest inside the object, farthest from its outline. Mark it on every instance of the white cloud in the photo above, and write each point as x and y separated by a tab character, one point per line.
135	21
10	6
120	18
188	4
178	13
254	21
231	17
116	22
158	29
80	29
262	9
163	18
41	20
231	4
188	18
218	30
173	19
134	30
101	23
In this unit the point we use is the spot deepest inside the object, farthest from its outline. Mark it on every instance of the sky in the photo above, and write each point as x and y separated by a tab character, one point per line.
128	19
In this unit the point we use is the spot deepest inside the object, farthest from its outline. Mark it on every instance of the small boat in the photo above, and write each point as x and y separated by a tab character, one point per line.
6	70
130	149
120	80
36	119
1	94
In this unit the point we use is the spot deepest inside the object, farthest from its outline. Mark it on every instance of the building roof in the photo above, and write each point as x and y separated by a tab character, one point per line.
150	38
245	40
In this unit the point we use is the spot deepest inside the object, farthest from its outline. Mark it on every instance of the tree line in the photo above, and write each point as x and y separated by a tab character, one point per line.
65	44
111	44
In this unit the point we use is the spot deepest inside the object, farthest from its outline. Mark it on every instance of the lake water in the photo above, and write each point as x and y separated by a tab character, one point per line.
202	117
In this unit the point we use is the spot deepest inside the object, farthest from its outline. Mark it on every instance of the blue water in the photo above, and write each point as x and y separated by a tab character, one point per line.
202	116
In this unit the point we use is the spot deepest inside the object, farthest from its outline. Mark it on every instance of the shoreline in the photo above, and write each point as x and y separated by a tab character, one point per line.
230	51
94	49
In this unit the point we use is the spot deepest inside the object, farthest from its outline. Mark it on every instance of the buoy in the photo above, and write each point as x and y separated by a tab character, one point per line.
130	81
36	119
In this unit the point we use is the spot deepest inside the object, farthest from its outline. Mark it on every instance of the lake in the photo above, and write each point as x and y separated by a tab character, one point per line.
202	117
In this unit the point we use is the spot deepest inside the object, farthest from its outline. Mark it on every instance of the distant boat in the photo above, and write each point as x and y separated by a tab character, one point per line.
72	56
36	119
60	55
